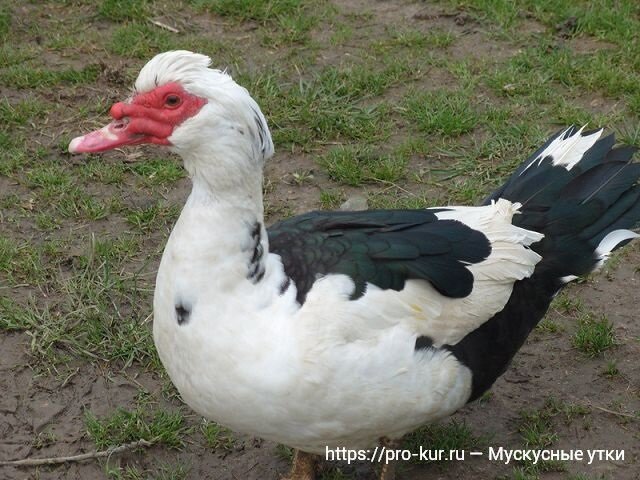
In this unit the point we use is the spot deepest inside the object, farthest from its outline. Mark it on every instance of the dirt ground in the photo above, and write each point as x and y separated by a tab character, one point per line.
43	406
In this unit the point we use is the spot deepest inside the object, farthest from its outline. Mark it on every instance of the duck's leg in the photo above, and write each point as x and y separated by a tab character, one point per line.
303	466
388	470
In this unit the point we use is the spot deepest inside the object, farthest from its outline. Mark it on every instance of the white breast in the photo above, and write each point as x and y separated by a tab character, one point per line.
253	360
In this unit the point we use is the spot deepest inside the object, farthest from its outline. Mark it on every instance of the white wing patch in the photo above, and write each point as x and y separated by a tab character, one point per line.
567	150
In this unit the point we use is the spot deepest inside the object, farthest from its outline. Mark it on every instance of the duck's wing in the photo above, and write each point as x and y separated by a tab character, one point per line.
456	266
381	247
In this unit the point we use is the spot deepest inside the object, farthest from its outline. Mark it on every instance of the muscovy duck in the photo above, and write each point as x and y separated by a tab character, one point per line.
345	329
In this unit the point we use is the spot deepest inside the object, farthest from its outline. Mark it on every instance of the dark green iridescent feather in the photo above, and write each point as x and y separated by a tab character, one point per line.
382	247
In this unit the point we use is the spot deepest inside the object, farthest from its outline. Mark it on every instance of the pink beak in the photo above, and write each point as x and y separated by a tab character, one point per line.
110	136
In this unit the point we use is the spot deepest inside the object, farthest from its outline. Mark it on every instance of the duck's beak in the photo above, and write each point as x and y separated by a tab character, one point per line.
114	135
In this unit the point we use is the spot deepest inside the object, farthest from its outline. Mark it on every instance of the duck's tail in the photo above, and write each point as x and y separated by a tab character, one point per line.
582	193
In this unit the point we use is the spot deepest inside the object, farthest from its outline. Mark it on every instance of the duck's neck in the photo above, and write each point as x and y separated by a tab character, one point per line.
230	179
225	208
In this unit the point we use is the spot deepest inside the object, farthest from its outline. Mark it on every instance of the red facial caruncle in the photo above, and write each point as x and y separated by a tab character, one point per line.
148	118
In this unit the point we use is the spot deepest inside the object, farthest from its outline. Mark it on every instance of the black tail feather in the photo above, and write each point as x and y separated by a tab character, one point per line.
575	208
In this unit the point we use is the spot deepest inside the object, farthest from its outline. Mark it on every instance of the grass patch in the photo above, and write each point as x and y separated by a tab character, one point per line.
124	426
80	205
611	370
21	112
549	326
447	113
331	200
158	171
291	19
97	169
217	436
139	40
395	198
99	315
566	304
594	335
503	13
26	77
121	10
355	165
538	432
164	472
324	108
5	22
258	10
21	262
153	216
536	429
451	436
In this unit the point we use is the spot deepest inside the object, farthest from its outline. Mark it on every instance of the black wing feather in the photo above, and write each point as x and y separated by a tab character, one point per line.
381	247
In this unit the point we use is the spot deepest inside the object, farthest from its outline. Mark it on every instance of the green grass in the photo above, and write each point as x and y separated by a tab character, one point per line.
99	314
5	22
27	77
355	165
326	107
158	171
124	426
440	112
153	216
21	262
107	173
537	429
504	13
216	436
259	10
139	40
80	205
550	326
21	112
286	21
121	10
567	304
335	473
331	200
163	472
593	335
443	436
611	370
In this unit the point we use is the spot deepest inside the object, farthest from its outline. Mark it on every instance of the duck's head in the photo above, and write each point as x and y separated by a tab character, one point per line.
196	111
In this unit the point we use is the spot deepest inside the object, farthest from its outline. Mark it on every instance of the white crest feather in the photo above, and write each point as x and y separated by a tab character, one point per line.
188	68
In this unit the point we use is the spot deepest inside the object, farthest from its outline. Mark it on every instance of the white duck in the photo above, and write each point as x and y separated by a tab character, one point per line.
346	329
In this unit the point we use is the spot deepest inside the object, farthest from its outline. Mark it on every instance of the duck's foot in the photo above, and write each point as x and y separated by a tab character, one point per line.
303	466
388	470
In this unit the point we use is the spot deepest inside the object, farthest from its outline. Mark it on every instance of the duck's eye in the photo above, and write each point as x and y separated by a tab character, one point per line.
172	101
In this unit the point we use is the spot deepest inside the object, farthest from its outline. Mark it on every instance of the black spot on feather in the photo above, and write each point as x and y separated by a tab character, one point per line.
423	342
285	285
256	266
183	312
260	129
